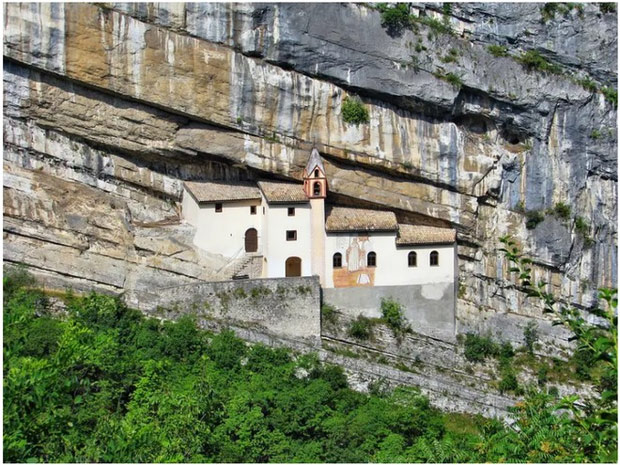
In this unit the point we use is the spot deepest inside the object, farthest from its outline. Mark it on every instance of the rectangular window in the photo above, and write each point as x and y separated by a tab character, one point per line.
218	207
291	235
291	211
263	210
253	210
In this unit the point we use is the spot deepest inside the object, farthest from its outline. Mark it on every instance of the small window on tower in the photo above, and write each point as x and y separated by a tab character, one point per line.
317	188
218	207
252	209
434	258
316	173
291	211
371	259
338	260
413	259
291	235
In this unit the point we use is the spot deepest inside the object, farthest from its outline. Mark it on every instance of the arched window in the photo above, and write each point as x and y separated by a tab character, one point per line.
434	258
412	259
337	260
371	259
317	188
316	173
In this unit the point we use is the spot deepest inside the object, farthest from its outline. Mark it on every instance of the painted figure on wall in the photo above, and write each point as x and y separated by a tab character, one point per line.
356	272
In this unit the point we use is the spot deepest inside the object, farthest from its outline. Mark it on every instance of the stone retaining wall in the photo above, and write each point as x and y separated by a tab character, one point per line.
287	308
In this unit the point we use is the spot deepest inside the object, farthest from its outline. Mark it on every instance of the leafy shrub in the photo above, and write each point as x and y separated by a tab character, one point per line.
328	313
541	376
595	134
393	314
395	18
588	84
478	348
530	336
533	218
508	382
562	210
226	350
354	111
611	95
506	352
582	226
361	328
607	7
16	278
532	59
498	50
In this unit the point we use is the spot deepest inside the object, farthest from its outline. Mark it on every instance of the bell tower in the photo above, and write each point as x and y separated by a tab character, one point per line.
315	187
315	182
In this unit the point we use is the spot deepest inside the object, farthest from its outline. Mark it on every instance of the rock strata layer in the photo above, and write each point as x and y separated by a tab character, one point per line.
109	107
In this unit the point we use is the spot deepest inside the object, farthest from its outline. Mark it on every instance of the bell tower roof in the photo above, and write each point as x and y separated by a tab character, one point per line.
314	162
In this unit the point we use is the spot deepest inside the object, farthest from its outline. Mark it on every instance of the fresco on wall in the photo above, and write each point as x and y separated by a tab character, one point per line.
354	271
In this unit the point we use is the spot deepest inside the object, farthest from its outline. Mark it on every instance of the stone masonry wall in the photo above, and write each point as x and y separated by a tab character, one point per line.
286	308
429	308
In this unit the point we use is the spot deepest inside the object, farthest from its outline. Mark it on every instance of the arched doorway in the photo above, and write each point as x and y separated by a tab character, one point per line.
251	240
293	267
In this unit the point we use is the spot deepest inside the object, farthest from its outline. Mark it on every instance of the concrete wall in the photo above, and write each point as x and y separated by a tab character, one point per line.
224	232
287	308
428	308
392	264
278	249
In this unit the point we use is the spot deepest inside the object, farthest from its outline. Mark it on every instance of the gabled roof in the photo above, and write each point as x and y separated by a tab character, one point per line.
340	219
222	191
314	162
409	234
283	192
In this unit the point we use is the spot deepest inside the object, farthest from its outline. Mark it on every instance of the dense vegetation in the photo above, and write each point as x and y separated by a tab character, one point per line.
104	383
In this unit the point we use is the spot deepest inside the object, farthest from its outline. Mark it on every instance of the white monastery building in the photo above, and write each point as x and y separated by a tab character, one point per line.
287	230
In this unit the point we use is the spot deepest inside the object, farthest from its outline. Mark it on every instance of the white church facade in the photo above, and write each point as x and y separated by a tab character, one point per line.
289	230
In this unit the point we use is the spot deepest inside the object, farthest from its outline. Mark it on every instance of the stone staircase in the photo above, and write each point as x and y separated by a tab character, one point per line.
248	267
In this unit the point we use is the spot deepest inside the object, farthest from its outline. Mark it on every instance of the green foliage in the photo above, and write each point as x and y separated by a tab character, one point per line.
595	134
361	328
530	336
562	210
611	95
106	384
451	78
354	111
395	18
328	314
549	10
582	226
607	7
588	84
593	422
451	57
498	50
393	315
478	348
535	61
533	218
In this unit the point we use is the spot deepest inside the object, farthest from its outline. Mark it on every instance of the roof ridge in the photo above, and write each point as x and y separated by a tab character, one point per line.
314	162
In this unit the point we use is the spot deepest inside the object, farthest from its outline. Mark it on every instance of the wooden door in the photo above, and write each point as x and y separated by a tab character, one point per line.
251	240
293	267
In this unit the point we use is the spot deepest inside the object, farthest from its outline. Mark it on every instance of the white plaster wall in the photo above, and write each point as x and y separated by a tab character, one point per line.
223	233
278	249
392	263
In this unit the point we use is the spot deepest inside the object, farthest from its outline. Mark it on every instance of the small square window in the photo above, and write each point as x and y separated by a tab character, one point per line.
218	207
252	209
291	235
291	211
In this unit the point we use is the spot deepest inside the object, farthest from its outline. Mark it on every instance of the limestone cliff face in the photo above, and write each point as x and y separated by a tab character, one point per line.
109	107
